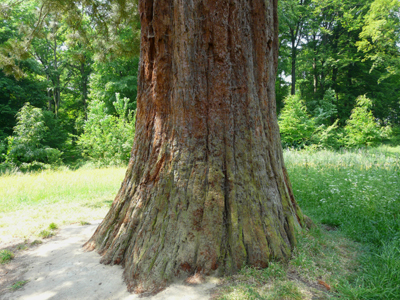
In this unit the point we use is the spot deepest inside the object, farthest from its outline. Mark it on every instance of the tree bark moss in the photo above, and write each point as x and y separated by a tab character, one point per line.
206	190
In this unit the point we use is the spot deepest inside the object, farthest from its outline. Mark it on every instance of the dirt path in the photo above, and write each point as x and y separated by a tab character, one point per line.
60	269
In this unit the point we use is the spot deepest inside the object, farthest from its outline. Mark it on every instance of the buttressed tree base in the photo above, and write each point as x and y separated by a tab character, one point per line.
206	190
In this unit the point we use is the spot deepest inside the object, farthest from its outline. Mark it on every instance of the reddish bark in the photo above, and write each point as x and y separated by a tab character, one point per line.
205	190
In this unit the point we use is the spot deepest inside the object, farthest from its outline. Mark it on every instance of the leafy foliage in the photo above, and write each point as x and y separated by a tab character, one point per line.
362	128
35	135
350	47
296	126
108	139
328	137
14	94
117	76
326	108
3	150
328	134
380	36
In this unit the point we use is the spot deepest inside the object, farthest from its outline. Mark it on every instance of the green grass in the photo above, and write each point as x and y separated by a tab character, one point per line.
286	290
358	193
354	197
319	255
30	201
18	285
53	226
36	242
22	247
45	234
6	256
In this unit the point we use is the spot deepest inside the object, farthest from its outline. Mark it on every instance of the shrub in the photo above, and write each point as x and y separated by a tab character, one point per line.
395	135
35	137
296	126
328	137
108	139
3	150
362	129
326	109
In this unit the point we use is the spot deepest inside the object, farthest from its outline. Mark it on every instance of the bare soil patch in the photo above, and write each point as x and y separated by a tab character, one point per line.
60	269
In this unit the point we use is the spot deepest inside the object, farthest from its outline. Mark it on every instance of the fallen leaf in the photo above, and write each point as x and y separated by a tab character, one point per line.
323	283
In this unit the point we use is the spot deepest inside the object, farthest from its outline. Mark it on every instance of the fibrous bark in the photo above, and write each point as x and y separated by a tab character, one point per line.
206	190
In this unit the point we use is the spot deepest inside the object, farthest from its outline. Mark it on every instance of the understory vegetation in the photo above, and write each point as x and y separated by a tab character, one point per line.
68	78
354	198
319	129
351	195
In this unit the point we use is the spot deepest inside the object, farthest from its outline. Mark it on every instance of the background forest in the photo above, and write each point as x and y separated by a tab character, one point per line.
68	87
68	80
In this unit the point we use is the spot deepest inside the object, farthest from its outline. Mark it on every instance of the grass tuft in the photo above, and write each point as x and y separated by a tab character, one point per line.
36	242
45	234
18	285
22	247
6	256
53	226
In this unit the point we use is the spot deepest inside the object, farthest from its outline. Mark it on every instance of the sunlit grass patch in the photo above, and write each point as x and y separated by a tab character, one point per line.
285	290
320	257
30	202
359	193
324	257
356	192
278	290
48	187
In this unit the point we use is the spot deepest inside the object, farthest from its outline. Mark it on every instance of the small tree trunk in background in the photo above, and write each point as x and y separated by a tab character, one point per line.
84	85
206	190
56	82
315	75
294	58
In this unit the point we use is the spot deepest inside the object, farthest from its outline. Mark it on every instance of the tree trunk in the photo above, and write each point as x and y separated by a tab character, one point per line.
206	190
85	73
294	57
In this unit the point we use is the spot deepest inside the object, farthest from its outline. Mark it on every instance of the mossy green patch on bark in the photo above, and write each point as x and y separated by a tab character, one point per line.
153	261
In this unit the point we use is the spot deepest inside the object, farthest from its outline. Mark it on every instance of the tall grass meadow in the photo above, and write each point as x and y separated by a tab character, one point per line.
358	193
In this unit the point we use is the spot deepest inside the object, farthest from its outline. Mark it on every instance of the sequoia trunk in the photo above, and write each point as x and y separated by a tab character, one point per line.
206	190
